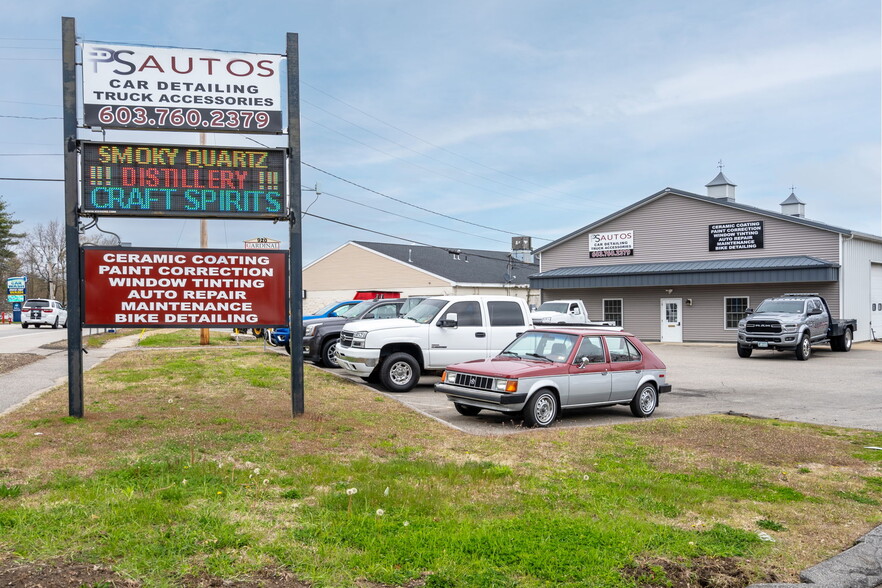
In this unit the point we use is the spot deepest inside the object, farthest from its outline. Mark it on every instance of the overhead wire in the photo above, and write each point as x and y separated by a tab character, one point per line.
356	202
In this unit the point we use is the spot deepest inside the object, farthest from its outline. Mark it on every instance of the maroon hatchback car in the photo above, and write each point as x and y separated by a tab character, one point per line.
544	371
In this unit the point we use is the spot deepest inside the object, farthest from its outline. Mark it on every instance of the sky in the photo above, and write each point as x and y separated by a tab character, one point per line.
461	124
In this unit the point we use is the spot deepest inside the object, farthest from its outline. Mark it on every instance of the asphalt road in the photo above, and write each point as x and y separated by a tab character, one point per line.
839	389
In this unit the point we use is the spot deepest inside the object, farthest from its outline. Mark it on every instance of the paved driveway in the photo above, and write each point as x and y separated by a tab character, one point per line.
840	389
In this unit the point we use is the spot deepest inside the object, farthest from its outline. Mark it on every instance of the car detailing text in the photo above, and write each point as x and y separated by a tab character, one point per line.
618	244
130	86
734	236
178	288
147	180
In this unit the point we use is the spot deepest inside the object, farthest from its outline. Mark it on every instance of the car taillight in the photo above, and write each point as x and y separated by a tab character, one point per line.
47	310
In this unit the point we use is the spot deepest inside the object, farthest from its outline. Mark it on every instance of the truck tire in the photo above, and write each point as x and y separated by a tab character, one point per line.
744	351
804	349
329	359
400	372
842	342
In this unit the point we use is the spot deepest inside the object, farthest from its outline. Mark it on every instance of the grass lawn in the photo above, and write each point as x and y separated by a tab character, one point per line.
188	467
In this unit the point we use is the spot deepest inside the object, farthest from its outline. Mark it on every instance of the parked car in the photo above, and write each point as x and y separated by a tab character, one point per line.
320	335
439	331
547	370
43	311
281	335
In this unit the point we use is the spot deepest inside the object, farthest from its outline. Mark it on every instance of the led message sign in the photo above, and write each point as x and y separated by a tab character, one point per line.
184	288
155	180
130	86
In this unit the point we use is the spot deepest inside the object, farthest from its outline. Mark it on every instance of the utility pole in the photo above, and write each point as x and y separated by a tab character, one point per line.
204	338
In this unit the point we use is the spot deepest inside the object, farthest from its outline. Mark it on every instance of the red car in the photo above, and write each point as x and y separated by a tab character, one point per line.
544	371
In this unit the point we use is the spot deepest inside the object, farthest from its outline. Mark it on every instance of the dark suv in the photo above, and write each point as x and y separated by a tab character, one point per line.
320	335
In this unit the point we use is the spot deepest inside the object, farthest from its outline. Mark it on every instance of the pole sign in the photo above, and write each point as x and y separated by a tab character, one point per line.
262	243
139	87
181	181
184	288
16	289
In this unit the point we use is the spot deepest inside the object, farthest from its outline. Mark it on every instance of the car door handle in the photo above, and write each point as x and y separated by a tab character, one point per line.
480	334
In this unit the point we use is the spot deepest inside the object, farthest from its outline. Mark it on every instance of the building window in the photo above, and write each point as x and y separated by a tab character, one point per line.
612	310
736	309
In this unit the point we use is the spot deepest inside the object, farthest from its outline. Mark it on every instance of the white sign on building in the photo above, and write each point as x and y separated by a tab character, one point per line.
617	244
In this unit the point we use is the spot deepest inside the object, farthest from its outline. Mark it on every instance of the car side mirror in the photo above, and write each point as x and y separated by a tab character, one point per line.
583	361
448	321
815	311
748	311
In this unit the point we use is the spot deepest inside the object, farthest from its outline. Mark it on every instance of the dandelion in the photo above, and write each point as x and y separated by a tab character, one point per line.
265	482
184	482
406	523
256	471
380	512
171	400
586	477
219	493
351	491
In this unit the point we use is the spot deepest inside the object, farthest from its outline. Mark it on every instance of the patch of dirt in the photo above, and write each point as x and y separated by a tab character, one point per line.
754	441
701	572
11	361
62	574
59	574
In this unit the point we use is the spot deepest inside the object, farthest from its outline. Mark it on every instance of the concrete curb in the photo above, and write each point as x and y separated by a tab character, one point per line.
857	567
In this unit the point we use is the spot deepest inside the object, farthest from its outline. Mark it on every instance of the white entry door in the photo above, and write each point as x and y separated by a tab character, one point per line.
875	300
672	320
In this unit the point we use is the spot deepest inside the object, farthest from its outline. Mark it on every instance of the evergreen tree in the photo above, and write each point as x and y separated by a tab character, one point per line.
8	240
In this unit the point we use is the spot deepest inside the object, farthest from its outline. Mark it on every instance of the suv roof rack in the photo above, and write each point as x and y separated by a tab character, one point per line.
801	294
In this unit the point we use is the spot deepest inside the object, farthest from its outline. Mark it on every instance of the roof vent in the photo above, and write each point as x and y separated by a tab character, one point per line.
793	206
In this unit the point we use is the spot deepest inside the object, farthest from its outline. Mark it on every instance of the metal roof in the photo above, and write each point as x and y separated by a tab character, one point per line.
728	203
461	266
796	268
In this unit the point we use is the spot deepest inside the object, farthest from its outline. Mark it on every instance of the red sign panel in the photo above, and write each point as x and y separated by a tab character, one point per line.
184	288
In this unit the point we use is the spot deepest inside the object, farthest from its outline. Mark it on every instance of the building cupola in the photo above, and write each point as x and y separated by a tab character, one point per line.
793	206
720	187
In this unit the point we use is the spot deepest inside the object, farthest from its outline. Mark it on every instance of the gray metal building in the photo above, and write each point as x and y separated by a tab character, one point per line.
678	266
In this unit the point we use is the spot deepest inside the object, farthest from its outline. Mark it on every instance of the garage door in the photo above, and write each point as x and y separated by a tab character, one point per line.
876	300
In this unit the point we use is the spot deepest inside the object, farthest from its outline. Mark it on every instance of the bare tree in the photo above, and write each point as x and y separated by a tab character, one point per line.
43	253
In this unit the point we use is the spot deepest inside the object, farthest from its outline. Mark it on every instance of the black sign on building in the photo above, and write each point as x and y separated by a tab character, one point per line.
735	236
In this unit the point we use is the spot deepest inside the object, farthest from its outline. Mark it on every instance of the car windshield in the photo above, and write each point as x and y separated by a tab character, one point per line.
785	306
326	309
553	307
555	347
37	303
409	304
354	311
426	310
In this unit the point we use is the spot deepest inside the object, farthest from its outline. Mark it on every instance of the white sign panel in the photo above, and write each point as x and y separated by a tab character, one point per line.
618	244
137	87
262	243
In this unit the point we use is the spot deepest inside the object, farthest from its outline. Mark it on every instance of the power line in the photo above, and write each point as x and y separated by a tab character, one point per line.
514	261
325	193
408	203
444	149
32	117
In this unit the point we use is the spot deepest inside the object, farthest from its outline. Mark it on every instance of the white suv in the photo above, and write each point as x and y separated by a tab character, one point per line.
43	311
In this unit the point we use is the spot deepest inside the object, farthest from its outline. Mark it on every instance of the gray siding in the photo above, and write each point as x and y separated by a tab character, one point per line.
857	256
704	321
675	228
